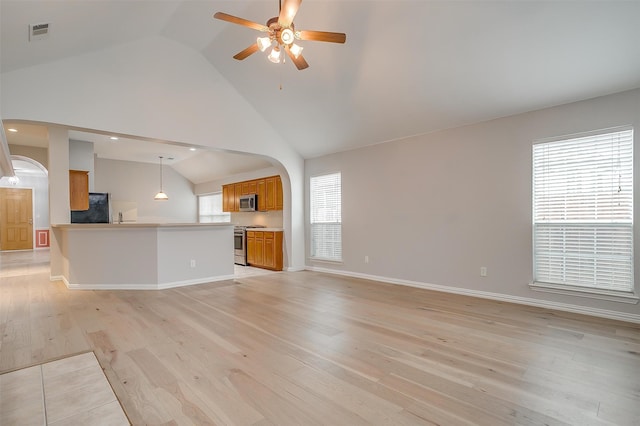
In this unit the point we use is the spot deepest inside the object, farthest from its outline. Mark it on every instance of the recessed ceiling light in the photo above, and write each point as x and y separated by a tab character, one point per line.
114	138
13	130
192	149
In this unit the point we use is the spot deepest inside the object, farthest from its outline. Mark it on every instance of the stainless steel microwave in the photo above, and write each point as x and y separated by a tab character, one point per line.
248	203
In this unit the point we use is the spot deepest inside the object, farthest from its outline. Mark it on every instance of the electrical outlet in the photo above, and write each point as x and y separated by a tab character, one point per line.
193	263
483	271
366	259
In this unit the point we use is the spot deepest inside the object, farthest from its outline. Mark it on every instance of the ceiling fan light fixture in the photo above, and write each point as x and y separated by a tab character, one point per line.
296	50
274	56
263	43
287	36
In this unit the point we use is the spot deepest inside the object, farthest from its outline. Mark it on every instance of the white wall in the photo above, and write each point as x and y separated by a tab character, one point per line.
216	185
435	208
183	100
129	181
33	152
58	194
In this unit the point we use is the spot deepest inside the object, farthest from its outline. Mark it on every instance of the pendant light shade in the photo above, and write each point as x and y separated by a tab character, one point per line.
160	196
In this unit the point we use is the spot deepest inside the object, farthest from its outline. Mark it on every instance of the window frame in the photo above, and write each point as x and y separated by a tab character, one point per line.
312	223
616	295
222	213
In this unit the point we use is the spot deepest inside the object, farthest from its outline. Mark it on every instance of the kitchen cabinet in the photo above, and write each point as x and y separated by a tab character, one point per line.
269	191
279	196
227	198
264	249
79	189
251	247
261	190
238	194
249	187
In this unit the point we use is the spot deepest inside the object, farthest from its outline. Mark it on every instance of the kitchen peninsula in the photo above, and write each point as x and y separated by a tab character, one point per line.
136	256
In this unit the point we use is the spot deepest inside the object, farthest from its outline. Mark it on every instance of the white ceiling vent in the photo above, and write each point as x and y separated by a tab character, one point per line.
38	31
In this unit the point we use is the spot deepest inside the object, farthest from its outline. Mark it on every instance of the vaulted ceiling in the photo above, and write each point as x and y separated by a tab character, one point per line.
407	68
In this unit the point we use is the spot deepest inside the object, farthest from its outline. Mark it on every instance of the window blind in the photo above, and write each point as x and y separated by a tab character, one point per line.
326	216
583	211
210	209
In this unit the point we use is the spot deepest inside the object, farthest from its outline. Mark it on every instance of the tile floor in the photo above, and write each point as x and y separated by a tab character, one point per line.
69	391
249	271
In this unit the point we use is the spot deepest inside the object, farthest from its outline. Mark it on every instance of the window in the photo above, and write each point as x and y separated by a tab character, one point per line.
210	209
326	217
583	212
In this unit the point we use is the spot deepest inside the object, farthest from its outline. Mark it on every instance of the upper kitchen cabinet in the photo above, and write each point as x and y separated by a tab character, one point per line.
228	198
269	191
79	189
261	190
273	193
279	195
238	194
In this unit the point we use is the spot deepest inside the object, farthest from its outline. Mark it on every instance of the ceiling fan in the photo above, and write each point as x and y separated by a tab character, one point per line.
281	35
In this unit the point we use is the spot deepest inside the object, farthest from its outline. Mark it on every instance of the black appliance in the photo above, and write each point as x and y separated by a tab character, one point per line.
99	210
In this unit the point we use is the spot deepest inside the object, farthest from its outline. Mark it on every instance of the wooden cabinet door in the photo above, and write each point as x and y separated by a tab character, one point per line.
253	187
245	188
225	198
79	189
271	193
251	247
231	201
269	250
261	190
279	196
238	194
259	257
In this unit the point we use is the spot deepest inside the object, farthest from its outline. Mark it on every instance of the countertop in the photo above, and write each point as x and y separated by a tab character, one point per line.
136	225
266	229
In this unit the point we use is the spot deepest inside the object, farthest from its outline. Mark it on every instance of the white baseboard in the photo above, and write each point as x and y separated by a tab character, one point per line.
141	286
596	312
295	269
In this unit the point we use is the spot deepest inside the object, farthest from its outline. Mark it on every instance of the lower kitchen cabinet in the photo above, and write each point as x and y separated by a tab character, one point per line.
264	249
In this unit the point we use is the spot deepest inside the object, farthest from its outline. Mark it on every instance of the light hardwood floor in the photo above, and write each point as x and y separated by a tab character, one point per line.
308	348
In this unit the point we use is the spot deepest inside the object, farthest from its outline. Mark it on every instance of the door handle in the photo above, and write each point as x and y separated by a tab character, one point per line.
30	221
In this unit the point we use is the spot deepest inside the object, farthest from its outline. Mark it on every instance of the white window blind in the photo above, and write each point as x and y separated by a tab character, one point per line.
210	209
583	211
326	217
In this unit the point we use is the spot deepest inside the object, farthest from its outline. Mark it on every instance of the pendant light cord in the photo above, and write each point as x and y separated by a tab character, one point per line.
161	174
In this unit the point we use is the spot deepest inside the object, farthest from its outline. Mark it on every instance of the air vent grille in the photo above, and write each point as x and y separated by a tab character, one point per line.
38	31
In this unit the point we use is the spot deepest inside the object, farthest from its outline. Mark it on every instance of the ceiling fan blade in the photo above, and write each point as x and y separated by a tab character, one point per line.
299	61
322	36
240	21
288	12
246	52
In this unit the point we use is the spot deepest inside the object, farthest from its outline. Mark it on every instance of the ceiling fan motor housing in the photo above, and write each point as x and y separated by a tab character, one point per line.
281	35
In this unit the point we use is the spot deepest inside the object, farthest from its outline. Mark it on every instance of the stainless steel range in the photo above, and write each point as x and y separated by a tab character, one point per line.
240	243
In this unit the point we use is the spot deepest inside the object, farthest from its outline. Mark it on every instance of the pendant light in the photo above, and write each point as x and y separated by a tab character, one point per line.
161	195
